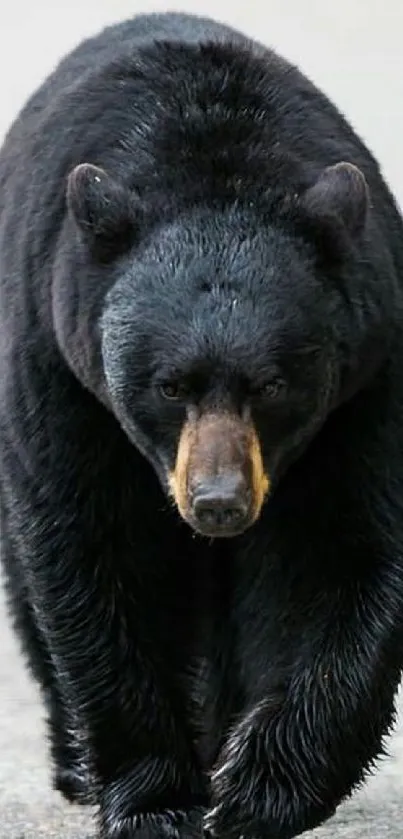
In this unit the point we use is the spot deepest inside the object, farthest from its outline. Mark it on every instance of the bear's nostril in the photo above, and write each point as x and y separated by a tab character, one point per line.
205	516
232	513
215	514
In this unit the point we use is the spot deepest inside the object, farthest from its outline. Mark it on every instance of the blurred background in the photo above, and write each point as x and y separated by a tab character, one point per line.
352	49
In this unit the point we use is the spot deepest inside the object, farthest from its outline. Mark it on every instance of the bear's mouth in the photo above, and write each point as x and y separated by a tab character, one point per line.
219	483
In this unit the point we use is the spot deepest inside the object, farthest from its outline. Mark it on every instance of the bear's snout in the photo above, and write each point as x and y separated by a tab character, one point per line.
219	483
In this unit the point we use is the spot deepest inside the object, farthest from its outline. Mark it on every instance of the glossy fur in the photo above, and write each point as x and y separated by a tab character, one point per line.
248	682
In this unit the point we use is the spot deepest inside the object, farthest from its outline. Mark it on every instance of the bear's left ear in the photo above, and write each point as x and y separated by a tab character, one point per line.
340	192
102	209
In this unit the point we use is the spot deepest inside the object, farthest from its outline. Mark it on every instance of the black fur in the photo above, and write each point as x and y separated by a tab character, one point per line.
248	682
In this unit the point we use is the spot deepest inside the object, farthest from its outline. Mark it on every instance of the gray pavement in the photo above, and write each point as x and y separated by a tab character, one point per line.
29	809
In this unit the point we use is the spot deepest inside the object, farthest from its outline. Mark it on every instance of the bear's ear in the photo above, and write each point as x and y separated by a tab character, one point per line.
102	209
340	192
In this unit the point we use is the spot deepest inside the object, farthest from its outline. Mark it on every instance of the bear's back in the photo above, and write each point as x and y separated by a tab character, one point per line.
175	107
168	93
116	42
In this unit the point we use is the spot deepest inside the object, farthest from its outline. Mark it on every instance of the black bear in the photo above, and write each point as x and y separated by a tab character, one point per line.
201	402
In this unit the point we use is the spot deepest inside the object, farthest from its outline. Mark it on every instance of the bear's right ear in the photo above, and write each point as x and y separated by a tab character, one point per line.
340	192
102	209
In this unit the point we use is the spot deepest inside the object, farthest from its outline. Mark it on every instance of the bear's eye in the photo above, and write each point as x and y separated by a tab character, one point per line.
272	389
172	390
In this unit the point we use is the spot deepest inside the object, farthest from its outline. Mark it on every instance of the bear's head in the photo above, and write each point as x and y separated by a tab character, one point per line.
225	331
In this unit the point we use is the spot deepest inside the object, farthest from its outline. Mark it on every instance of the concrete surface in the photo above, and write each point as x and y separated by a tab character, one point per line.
352	49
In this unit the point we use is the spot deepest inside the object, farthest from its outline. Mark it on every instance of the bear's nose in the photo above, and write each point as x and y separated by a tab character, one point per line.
220	506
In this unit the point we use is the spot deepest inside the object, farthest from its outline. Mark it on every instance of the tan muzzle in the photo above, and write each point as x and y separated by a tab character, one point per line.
219	483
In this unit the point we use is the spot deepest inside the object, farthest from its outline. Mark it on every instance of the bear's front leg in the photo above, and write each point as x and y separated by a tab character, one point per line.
291	760
103	623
